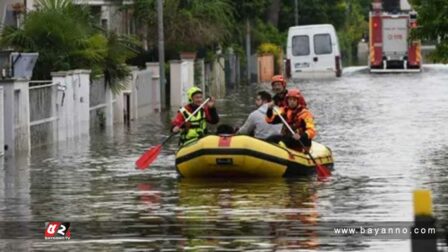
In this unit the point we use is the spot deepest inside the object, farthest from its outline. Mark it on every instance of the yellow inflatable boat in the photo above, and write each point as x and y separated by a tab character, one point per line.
245	156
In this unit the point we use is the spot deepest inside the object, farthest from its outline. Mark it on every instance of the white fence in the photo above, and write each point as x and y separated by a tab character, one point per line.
71	103
43	117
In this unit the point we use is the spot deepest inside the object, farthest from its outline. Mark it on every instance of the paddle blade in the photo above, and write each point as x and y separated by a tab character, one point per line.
322	171
148	157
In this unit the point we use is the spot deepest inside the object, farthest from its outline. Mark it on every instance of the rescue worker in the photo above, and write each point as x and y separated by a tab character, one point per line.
256	124
196	127
299	119
278	84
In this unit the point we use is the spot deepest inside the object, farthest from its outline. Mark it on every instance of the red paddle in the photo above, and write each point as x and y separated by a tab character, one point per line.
151	154
322	171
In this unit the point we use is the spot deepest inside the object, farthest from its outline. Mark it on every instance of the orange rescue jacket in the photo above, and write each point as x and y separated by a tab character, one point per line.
300	119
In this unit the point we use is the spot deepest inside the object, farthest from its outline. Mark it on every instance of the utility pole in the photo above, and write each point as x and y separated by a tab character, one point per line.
296	12
248	49
161	54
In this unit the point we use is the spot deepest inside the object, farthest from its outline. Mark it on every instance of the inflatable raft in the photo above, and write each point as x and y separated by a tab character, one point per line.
245	156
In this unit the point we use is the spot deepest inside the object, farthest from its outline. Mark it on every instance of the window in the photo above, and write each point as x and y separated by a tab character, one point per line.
322	44
300	45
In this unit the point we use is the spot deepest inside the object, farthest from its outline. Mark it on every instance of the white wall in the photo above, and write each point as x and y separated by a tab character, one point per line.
73	110
201	65
143	87
218	84
144	90
22	115
181	76
2	133
404	5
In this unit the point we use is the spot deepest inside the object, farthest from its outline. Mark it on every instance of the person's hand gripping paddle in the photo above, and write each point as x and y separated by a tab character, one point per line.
151	154
322	171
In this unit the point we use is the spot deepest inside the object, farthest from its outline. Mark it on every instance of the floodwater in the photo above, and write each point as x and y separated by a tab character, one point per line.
388	133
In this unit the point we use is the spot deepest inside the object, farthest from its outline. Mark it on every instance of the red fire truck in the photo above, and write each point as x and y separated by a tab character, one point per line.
390	47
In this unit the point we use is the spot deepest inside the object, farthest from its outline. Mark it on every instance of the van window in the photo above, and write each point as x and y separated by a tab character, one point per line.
300	45
322	44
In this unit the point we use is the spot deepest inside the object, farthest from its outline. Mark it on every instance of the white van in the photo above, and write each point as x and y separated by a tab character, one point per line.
313	50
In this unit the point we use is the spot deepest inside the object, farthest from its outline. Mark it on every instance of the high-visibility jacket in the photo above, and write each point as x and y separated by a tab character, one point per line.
196	127
300	119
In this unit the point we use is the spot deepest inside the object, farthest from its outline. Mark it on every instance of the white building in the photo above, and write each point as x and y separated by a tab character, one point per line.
110	13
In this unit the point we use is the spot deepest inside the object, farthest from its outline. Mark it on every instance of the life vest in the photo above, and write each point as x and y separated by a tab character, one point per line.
197	126
300	119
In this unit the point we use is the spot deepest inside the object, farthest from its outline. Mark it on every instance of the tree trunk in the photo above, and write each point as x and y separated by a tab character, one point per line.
274	12
145	36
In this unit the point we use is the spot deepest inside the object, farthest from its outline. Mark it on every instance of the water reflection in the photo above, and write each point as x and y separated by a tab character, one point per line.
272	213
15	199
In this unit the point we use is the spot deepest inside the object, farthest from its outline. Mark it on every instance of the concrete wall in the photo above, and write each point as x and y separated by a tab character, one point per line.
216	78
118	106
83	99
155	86
181	79
2	133
143	90
100	104
143	94
199	66
253	68
72	103
8	117
22	115
232	70
16	117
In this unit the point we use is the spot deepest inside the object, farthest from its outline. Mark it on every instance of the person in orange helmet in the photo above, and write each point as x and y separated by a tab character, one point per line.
278	85
298	117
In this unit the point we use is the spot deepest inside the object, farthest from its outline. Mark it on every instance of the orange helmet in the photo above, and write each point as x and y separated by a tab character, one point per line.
294	92
278	78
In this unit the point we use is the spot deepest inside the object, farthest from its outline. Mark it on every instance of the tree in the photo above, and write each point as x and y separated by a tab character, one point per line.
353	29
144	13
188	24
273	12
433	25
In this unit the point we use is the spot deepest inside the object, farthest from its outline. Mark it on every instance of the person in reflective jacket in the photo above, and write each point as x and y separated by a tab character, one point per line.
196	127
298	117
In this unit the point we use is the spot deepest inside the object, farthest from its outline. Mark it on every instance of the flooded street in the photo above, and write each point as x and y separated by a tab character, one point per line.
388	134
